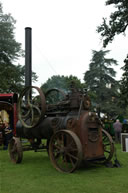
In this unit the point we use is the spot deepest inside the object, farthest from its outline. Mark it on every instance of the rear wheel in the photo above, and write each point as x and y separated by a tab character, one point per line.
108	145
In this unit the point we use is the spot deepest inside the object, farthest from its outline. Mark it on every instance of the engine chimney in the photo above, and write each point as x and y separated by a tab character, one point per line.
28	57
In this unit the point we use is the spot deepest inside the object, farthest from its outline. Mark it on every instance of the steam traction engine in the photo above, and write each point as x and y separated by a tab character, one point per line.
73	133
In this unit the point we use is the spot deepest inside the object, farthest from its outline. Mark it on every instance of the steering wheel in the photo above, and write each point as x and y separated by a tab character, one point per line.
31	106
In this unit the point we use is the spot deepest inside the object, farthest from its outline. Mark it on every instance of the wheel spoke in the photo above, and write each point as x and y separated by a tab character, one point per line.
73	164
105	138
72	156
72	149
107	151
57	155
56	146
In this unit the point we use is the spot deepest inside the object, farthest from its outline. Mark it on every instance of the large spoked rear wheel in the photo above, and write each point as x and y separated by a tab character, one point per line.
108	145
15	150
65	151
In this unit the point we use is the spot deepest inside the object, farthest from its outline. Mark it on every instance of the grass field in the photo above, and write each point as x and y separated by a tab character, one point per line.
36	175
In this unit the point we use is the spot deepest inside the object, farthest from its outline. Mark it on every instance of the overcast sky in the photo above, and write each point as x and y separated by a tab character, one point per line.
63	35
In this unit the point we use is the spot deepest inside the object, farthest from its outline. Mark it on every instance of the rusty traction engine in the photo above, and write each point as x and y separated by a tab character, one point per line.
73	133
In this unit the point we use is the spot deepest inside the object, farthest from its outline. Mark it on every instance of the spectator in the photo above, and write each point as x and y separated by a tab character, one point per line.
7	135
117	129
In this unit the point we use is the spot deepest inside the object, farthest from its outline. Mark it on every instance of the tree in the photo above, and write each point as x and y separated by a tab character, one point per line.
117	24
11	76
101	83
118	21
124	86
63	83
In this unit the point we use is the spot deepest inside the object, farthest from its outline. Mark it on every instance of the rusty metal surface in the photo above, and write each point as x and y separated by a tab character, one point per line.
89	131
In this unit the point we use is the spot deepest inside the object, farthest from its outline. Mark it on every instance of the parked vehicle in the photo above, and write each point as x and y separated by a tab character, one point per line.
73	133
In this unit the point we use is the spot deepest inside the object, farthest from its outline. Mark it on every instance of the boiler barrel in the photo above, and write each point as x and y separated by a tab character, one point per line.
43	130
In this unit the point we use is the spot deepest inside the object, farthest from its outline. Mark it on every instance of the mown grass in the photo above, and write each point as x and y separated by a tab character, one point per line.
36	175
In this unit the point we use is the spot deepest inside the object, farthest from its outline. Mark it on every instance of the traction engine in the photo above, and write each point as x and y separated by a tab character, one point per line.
72	132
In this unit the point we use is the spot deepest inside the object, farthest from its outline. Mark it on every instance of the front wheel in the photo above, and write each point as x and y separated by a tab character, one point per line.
15	150
65	151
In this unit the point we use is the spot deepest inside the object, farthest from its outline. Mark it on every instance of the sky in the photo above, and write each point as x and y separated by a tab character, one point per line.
63	35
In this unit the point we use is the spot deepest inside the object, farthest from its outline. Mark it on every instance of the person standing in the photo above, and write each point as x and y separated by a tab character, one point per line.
117	129
8	134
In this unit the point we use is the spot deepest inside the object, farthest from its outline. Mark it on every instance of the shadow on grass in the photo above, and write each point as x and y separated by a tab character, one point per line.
86	165
35	157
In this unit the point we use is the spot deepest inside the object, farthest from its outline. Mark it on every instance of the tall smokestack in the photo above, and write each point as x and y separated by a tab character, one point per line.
28	56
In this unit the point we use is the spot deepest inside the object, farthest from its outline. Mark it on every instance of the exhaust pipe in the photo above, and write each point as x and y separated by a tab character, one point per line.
28	56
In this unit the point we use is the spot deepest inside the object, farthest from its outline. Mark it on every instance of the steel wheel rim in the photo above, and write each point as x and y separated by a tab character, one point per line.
65	151
15	150
108	145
